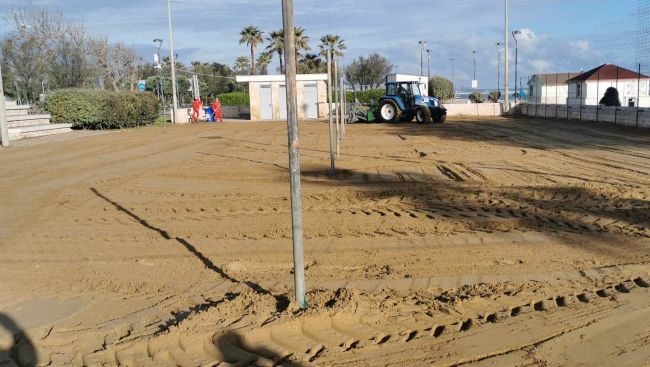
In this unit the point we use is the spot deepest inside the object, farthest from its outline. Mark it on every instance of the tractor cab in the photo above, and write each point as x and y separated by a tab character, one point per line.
404	101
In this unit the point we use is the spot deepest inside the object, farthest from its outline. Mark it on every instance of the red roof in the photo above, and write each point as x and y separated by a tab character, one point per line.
608	72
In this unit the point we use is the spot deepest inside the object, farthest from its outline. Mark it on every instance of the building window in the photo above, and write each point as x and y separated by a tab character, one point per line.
578	90
530	91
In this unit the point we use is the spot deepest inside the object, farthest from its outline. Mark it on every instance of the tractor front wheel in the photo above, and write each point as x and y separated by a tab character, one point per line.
423	115
389	112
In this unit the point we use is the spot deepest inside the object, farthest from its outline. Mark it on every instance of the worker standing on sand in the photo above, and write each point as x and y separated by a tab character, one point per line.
216	107
196	107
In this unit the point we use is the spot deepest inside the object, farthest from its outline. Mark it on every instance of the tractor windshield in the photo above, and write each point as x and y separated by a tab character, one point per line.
415	89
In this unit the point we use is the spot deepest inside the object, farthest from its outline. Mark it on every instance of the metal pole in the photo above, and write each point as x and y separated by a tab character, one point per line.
517	67
616	107
343	101
173	61
336	110
505	62
4	131
638	97
294	153
421	58
556	91
453	85
598	97
498	70
428	64
331	122
474	57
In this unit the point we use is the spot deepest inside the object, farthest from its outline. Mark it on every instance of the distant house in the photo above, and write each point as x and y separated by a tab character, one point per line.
549	88
588	88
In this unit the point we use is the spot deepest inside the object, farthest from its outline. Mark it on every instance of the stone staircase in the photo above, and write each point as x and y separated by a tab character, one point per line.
22	124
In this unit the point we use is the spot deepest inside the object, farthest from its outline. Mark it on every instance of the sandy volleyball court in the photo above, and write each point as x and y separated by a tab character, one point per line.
498	242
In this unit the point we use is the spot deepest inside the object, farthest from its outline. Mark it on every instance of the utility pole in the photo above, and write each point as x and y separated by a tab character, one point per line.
294	153
4	131
331	123
505	64
173	61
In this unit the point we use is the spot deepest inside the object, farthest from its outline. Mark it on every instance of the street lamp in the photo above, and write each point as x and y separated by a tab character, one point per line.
429	63
173	63
514	35
161	92
499	44
423	45
474	57
453	86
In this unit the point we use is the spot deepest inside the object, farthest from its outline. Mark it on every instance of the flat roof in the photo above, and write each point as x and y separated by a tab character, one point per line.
279	78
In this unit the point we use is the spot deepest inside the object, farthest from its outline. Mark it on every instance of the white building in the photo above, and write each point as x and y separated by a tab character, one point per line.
268	96
549	88
423	81
587	89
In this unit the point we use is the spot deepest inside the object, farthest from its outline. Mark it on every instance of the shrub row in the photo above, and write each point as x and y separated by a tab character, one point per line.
97	109
234	99
366	96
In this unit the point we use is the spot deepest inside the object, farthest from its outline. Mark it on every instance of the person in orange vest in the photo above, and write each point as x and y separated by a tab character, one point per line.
216	107
196	107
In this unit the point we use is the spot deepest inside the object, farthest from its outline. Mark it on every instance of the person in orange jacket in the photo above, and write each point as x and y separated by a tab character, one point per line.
196	107
216	107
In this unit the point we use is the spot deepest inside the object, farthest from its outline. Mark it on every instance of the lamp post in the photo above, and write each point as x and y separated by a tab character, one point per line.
499	44
423	45
428	63
514	35
474	57
453	86
159	66
173	62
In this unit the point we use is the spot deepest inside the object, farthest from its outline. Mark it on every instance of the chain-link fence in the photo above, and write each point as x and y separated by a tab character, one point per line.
612	41
607	93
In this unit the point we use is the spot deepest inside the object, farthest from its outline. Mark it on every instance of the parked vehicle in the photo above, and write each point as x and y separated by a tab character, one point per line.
404	101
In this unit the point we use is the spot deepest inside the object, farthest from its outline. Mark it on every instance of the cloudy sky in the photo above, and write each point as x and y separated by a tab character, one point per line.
557	35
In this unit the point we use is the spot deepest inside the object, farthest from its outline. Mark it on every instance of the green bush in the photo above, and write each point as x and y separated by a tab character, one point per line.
234	99
494	97
441	88
97	109
477	97
366	96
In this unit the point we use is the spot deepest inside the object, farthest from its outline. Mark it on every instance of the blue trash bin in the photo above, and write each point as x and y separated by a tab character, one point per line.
209	113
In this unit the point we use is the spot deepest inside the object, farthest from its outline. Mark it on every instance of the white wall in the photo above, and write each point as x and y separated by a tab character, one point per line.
593	91
548	94
628	116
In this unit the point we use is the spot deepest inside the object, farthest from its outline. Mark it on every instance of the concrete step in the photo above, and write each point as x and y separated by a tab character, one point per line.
15	110
27	120
33	131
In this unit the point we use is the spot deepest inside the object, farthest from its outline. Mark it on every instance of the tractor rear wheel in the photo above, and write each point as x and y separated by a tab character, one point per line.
389	112
423	115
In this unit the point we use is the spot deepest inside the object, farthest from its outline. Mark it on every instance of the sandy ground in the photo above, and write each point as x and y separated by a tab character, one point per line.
497	242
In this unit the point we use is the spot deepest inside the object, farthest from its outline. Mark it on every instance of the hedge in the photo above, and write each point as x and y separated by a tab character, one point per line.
366	96
234	99
98	109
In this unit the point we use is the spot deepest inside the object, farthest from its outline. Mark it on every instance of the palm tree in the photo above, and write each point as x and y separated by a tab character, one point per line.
242	65
333	43
252	37
276	44
302	41
263	61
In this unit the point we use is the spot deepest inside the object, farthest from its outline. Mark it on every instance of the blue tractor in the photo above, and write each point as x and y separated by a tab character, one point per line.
404	101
